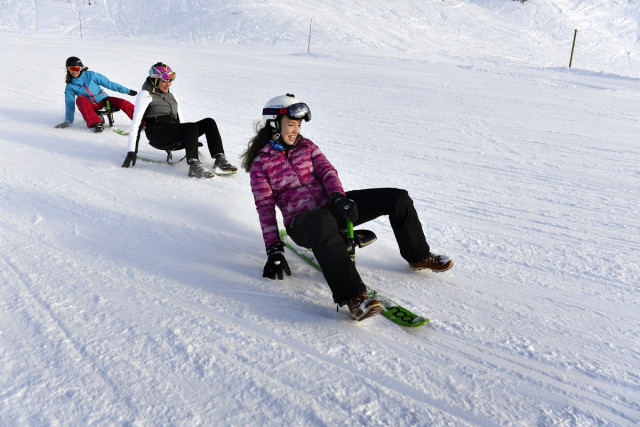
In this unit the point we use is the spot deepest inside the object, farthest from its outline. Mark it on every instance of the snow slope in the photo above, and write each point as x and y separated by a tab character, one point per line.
538	32
134	296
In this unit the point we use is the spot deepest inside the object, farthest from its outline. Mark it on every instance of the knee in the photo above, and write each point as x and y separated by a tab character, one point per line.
403	196
209	124
400	199
81	100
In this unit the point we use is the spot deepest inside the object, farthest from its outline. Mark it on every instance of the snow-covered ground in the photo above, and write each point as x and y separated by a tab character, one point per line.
135	297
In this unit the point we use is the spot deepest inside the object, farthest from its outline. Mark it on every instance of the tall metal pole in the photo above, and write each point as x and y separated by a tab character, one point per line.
309	44
575	33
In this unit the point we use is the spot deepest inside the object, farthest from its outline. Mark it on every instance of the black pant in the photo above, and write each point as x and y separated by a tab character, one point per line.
166	136
318	229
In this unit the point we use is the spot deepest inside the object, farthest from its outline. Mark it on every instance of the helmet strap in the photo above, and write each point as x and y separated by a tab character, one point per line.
274	124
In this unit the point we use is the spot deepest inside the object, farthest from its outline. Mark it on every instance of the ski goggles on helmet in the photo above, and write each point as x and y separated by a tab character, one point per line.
165	76
74	68
297	111
162	72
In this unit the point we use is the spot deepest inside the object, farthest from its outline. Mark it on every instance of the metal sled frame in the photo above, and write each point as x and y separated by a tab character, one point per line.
108	112
176	146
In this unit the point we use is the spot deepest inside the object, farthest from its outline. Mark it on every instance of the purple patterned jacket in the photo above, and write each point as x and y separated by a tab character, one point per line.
296	183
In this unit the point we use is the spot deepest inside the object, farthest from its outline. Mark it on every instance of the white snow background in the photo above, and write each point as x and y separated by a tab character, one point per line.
135	297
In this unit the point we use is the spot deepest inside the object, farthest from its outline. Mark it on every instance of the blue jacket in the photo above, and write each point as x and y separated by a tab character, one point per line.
88	84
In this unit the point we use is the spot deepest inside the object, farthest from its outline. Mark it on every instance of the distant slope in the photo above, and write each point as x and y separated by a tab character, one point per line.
538	32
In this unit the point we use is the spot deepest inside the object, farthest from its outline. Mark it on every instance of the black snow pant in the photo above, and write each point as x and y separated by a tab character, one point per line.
318	229
167	136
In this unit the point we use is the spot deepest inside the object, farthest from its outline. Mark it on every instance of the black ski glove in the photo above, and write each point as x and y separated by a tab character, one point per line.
345	208
130	160
132	92
63	125
276	264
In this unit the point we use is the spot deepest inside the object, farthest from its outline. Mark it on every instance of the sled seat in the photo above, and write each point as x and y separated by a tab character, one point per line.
176	146
361	238
107	112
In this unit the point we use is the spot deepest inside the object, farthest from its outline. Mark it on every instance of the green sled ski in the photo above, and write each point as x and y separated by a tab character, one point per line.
162	162
391	310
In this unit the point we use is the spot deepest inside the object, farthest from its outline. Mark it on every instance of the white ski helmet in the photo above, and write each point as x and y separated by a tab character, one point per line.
284	105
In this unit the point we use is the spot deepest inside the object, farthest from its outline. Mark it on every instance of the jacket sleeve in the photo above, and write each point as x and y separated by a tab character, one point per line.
70	103
143	99
265	203
105	82
325	172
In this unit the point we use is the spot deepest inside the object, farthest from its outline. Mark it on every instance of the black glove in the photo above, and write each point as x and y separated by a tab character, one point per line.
345	208
276	264
130	160
63	125
132	92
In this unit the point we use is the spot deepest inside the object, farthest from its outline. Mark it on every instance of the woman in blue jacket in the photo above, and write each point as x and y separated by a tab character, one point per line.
86	86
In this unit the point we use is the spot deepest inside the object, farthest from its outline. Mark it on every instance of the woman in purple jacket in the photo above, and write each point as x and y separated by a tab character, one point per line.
290	172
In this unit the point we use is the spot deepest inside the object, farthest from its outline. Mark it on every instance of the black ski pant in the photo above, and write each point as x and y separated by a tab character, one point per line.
175	136
319	229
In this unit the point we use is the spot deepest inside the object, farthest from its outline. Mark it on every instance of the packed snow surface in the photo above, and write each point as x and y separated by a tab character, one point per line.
135	296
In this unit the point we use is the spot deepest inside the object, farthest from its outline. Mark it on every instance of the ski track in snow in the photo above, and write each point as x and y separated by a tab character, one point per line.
134	296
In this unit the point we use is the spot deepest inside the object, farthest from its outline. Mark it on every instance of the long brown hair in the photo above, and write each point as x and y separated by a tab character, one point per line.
68	77
262	137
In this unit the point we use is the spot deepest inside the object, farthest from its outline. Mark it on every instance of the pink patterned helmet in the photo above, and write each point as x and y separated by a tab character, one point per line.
161	71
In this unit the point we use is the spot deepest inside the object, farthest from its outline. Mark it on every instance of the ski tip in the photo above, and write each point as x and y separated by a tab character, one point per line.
413	323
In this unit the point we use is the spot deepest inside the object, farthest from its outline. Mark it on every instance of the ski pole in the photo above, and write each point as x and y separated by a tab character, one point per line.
352	243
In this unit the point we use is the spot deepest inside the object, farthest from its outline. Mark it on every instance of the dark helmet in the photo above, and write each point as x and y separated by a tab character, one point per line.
73	61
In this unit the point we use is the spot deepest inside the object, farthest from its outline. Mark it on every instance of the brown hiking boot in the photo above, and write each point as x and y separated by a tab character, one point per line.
433	262
362	307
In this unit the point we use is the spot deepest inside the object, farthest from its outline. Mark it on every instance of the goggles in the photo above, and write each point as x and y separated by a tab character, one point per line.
74	68
297	111
165	76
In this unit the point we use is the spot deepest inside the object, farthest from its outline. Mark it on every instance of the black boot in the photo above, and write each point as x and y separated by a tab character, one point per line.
98	127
